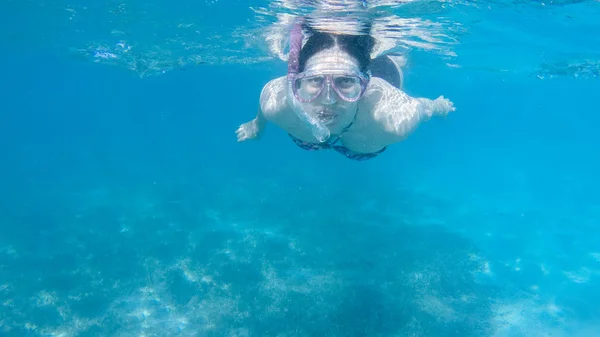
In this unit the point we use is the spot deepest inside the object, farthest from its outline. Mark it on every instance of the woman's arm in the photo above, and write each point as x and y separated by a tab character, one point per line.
271	104
400	114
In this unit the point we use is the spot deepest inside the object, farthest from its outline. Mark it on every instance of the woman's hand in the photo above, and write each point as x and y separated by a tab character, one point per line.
442	106
249	130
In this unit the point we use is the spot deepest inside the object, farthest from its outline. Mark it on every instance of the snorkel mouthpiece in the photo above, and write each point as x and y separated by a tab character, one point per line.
319	130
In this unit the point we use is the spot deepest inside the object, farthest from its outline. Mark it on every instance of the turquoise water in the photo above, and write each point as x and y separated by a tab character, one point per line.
128	208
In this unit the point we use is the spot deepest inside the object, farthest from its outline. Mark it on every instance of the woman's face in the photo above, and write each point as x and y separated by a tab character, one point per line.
332	77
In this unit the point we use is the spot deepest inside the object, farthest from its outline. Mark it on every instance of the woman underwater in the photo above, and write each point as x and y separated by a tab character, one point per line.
331	98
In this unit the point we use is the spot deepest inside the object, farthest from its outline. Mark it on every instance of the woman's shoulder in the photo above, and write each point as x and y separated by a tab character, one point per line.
379	86
381	96
381	103
272	96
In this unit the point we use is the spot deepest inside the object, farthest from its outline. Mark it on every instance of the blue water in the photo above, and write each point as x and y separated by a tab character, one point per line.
127	208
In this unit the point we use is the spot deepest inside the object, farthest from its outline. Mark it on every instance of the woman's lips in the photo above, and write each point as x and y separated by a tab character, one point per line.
327	116
327	112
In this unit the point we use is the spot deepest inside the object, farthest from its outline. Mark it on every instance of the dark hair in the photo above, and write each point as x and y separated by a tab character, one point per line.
359	46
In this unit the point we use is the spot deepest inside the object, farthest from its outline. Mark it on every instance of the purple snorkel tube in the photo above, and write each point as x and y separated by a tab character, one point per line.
320	131
295	46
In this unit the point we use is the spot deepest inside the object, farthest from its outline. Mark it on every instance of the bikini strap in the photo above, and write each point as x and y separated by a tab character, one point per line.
346	128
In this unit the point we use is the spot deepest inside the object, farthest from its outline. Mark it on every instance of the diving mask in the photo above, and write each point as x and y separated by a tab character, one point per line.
308	86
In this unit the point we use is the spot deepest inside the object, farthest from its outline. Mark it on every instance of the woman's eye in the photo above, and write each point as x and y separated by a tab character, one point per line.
315	80
346	82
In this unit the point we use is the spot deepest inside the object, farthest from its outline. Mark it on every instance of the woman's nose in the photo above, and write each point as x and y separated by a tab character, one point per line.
329	95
